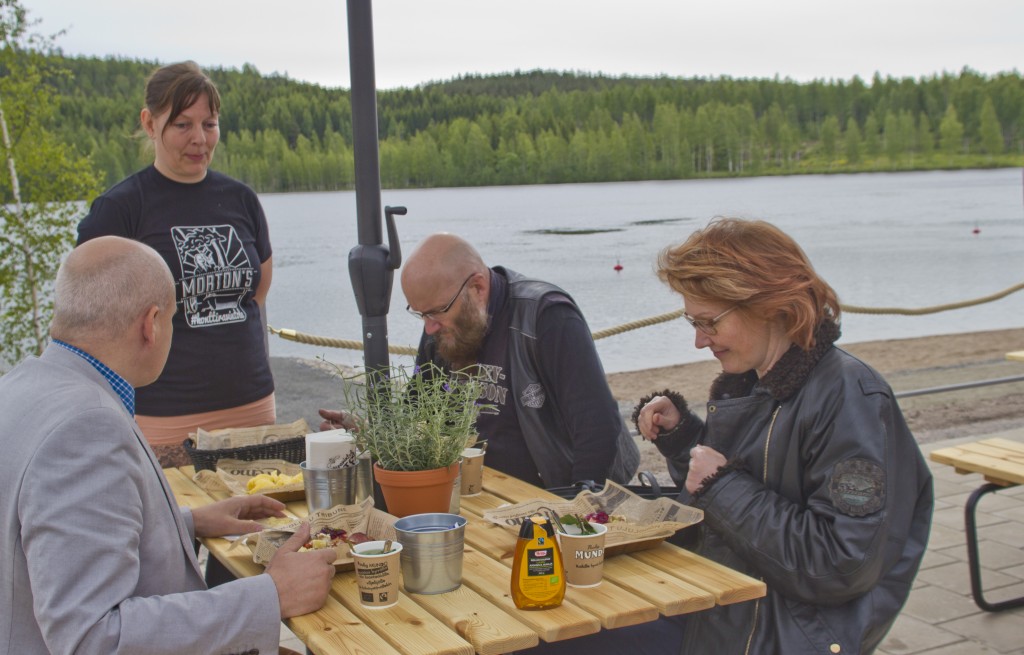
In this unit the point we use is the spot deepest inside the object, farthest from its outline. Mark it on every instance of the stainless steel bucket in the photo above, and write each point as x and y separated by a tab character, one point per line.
326	488
455	506
431	552
364	477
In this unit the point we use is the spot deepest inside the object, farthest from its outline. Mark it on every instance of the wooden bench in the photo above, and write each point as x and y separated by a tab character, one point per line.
1001	462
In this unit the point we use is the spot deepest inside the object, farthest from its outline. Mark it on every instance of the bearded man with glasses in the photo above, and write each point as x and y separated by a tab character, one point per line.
553	420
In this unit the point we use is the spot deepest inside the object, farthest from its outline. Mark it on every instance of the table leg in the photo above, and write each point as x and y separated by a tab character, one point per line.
972	553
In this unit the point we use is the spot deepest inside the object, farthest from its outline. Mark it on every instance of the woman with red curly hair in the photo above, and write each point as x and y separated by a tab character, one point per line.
805	469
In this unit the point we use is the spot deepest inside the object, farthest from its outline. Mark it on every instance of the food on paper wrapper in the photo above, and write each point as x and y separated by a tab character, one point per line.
358	538
276	521
603	517
275	480
574	524
325	538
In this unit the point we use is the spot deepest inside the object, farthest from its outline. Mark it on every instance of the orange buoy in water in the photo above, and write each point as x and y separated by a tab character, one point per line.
618	266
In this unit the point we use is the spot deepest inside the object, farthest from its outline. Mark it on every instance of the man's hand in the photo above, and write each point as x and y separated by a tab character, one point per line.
704	462
335	419
234	515
302	579
657	415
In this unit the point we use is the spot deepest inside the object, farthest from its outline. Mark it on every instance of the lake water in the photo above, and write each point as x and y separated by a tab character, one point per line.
881	240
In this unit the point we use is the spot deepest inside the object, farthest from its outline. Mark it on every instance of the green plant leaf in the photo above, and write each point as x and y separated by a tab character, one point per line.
414	420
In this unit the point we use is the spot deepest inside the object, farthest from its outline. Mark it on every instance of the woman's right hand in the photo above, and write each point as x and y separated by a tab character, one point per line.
658	415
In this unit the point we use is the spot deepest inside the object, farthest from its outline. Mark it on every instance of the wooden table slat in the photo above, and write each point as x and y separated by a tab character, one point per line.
669	594
992	448
406	626
480	616
187	493
481	503
1001	461
513	490
1015	448
491	539
336	631
726	585
491	580
490	629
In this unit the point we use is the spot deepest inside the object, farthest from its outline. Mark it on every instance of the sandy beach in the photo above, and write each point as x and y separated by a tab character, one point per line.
908	364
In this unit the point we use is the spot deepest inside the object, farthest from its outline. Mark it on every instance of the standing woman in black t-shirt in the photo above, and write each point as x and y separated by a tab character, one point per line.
211	231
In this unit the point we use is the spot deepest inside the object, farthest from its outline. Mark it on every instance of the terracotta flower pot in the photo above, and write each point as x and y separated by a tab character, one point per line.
417	492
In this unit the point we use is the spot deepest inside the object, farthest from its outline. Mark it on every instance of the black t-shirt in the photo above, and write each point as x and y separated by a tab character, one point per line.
213	235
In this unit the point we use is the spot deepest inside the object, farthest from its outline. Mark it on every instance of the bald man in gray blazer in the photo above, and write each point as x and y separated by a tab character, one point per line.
96	555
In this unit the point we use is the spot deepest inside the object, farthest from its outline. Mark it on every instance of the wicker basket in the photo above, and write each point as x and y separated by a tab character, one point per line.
290	450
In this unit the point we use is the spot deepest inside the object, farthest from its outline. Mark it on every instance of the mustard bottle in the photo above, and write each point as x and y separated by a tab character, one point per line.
538	577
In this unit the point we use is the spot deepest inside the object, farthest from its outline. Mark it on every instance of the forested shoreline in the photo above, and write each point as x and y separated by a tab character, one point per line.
543	127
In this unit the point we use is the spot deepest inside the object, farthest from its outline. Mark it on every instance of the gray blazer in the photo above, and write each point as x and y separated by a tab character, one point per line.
95	556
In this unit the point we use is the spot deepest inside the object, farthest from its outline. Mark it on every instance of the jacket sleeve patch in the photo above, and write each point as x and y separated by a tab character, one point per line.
533	396
857	487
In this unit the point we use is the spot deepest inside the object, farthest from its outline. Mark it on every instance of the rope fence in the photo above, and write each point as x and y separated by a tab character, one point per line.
351	344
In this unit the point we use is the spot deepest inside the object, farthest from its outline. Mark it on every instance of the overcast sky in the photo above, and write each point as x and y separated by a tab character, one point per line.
418	41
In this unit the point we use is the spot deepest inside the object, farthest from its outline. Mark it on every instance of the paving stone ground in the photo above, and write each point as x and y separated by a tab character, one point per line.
940	617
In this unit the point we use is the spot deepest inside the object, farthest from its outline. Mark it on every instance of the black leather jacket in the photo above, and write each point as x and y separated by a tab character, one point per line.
825	497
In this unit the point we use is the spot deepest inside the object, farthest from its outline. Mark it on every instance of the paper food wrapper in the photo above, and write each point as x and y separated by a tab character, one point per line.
232	476
350	518
238	437
647	522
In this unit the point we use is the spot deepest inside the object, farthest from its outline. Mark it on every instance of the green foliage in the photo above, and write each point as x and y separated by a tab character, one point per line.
545	127
830	137
990	132
415	421
43	176
852	141
951	132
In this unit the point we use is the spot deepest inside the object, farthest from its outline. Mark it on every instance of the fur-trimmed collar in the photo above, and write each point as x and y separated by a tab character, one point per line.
787	376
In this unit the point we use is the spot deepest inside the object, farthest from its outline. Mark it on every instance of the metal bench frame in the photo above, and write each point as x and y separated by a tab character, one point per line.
973	559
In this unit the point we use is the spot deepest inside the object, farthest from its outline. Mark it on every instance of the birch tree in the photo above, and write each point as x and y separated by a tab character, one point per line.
42	180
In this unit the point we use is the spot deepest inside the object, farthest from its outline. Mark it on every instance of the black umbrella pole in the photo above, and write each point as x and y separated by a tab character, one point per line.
369	265
364	120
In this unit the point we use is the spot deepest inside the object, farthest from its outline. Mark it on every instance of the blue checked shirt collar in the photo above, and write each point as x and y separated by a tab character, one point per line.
120	386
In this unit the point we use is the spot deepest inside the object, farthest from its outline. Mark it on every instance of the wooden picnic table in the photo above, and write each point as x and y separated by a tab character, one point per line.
480	616
1001	462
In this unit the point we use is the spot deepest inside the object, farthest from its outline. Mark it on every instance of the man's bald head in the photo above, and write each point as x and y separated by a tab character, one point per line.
104	286
440	260
442	265
438	265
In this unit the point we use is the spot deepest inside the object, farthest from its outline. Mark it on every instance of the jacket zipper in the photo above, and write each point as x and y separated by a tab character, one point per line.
764	478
